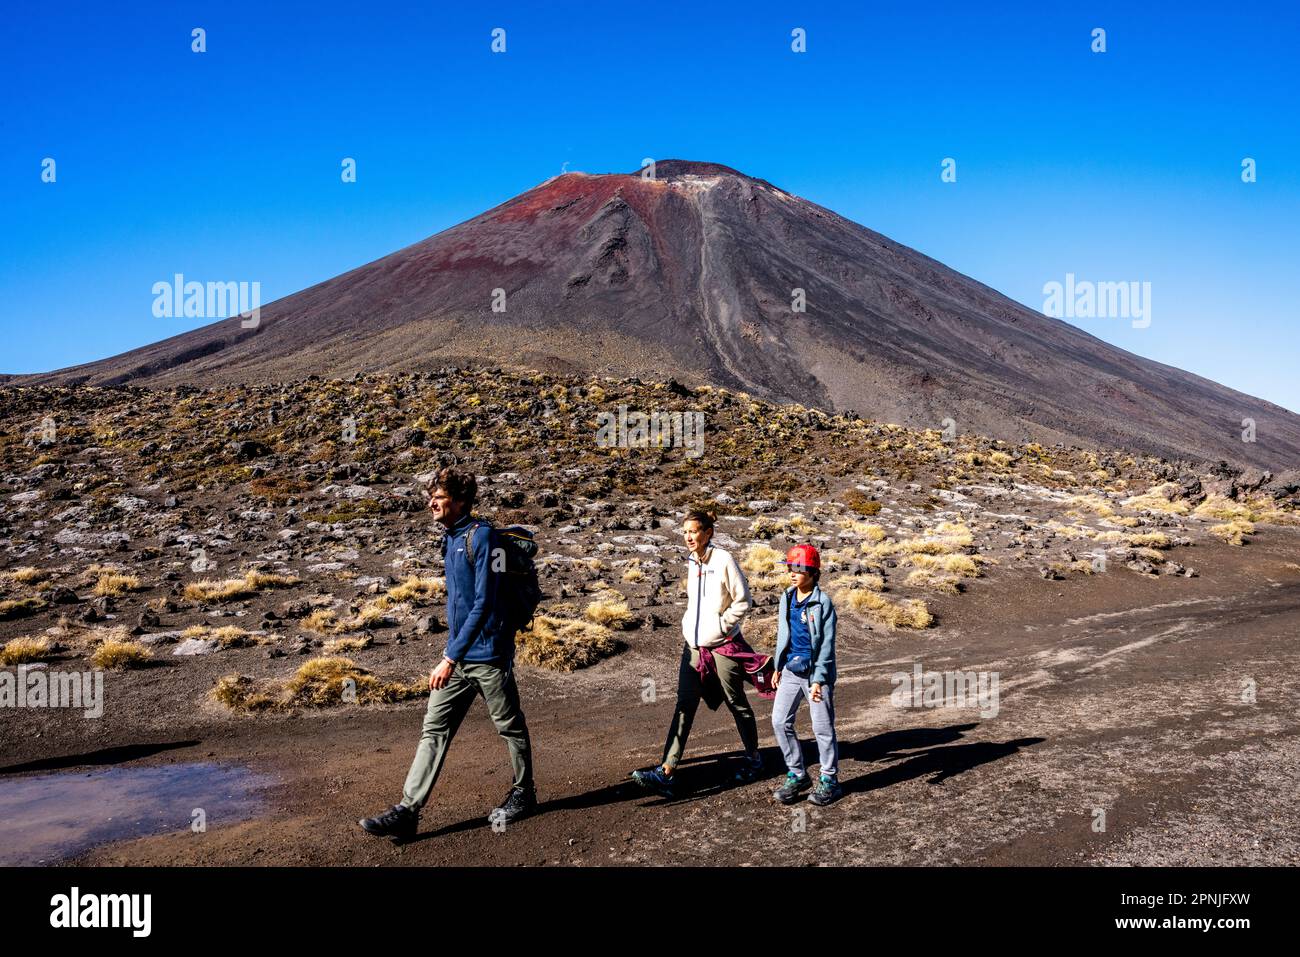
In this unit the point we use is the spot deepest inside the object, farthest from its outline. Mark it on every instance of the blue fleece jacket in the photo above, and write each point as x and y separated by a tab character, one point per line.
473	616
821	622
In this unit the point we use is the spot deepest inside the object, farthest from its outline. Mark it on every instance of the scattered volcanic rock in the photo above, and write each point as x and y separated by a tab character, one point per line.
692	275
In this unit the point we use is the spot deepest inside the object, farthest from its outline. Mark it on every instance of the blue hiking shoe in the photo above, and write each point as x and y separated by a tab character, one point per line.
751	769
827	791
654	779
794	785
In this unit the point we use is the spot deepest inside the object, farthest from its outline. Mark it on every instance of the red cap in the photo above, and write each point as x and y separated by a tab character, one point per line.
804	555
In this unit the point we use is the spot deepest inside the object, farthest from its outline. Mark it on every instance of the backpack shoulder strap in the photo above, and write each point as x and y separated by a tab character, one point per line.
469	539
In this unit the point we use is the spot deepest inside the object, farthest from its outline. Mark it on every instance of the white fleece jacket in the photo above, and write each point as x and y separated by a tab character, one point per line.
717	598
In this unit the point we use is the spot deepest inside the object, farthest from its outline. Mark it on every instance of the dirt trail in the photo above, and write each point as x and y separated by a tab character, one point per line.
1118	694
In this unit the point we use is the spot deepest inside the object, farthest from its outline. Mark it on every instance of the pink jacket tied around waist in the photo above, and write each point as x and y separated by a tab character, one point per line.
758	669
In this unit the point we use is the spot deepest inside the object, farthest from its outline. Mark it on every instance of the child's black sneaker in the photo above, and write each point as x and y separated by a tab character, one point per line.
827	791
794	785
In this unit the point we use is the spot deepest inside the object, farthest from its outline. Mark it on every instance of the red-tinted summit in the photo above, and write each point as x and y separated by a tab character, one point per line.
704	273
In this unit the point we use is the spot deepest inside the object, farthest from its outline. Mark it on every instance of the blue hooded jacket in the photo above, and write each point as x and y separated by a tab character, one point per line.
473	615
821	624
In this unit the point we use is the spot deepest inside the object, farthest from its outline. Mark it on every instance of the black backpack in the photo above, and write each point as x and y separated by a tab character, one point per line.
518	593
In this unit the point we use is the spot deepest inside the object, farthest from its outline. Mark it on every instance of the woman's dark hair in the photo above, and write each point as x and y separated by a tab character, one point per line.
461	486
705	517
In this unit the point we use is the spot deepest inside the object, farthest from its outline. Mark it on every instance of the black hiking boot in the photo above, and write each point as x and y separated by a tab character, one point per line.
520	802
398	822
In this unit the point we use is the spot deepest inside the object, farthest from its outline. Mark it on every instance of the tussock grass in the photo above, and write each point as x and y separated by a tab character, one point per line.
1092	503
27	575
860	502
21	651
227	636
927	578
1224	509
114	653
633	574
323	621
20	607
209	591
1234	532
565	644
112	584
761	563
611	611
318	683
418	590
759	559
1149	540
846	582
1160	498
909	613
872	533
347	643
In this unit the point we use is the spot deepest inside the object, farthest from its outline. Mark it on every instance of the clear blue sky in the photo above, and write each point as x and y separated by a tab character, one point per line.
225	165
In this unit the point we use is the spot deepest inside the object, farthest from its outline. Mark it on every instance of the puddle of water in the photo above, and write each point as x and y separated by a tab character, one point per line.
45	818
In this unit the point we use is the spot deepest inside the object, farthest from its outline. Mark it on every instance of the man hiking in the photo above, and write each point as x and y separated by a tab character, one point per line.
478	660
716	660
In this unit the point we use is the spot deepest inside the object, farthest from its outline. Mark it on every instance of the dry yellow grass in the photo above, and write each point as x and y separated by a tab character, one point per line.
1094	504
1159	499
867	530
927	578
208	590
318	683
323	621
611	611
418	590
347	643
117	654
227	636
1234	532
19	607
963	566
762	564
21	651
27	575
565	644
113	584
633	574
909	613
1149	540
871	582
1224	509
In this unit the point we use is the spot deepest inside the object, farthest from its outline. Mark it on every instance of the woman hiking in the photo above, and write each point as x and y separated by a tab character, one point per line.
716	661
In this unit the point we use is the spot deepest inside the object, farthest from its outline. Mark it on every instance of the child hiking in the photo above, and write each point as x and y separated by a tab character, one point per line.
716	661
805	668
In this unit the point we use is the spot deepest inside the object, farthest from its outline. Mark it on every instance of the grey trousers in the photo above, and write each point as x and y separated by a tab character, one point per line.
447	708
789	693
